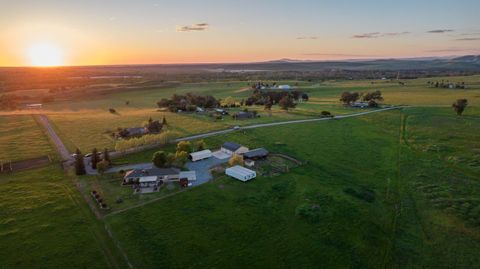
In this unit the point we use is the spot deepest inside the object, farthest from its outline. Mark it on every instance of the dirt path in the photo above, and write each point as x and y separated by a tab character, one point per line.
65	155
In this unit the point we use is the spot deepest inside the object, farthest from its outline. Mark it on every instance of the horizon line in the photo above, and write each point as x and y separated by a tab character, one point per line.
247	62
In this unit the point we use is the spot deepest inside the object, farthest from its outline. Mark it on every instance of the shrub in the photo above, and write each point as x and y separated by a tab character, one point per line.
235	160
112	110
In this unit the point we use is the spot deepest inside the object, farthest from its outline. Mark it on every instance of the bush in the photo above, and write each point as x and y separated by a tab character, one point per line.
112	110
159	159
236	160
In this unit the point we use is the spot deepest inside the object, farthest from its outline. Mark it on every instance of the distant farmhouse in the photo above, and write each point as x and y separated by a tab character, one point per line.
151	127
231	148
150	180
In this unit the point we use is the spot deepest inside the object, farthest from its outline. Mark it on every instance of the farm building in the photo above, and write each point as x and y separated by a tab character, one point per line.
284	87
33	106
256	154
161	174
240	173
200	155
231	148
188	175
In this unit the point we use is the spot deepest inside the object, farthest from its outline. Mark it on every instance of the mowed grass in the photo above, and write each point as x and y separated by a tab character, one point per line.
22	138
310	216
42	224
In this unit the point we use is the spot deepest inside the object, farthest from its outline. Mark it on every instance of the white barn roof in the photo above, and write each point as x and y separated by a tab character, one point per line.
201	154
147	179
240	173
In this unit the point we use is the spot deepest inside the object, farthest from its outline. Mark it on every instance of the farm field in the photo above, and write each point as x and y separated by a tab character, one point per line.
396	189
22	138
45	217
87	124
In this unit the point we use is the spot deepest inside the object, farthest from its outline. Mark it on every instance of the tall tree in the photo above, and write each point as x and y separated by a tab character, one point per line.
349	97
286	102
79	164
459	106
106	156
94	159
200	145
164	121
184	146
159	159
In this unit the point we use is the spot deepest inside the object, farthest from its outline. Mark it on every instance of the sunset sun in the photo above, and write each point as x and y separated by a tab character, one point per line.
44	54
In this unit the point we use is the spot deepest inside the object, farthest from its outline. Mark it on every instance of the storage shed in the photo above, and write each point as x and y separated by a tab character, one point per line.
240	173
231	148
200	155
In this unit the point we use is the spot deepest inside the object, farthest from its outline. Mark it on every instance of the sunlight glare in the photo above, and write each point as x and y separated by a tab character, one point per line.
45	55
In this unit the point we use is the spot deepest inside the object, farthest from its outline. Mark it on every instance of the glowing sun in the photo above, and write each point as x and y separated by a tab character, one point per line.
45	55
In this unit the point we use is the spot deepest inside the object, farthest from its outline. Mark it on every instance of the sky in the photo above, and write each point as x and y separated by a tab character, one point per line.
88	32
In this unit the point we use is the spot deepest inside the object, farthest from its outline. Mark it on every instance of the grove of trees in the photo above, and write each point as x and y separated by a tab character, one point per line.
188	102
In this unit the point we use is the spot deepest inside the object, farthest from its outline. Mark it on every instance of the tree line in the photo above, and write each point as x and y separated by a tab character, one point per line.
373	98
188	102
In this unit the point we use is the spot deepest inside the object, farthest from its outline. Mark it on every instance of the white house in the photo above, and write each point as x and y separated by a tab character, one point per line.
240	173
200	155
284	87
231	148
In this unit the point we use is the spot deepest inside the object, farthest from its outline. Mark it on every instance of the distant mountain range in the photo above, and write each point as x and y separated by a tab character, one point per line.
468	62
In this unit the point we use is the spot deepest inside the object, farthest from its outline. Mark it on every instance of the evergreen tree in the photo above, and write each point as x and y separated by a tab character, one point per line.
164	121
94	159
79	164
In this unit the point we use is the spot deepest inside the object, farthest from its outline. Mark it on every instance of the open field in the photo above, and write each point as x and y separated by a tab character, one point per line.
86	124
22	138
45	223
375	193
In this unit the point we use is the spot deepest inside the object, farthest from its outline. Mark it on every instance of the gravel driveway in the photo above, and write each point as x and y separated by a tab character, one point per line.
202	168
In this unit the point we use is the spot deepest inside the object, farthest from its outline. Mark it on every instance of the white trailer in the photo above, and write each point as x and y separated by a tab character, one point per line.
240	173
200	155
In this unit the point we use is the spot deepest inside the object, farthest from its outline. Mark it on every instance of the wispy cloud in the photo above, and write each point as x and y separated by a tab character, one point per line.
308	37
454	50
468	39
378	34
194	27
440	31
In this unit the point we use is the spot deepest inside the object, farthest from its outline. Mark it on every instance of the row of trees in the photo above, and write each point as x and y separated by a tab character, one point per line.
447	84
263	97
373	98
149	139
180	157
188	102
96	162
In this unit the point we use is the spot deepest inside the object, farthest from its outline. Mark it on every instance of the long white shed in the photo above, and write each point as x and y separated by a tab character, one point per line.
240	173
200	155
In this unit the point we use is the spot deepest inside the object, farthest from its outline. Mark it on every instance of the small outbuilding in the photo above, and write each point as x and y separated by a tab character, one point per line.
200	155
256	154
231	148
240	173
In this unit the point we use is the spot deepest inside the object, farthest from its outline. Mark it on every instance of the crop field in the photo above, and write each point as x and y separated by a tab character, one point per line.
43	216
22	138
383	190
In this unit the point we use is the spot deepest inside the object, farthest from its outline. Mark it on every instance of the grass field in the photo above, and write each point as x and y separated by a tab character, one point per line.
397	189
45	224
322	212
22	138
85	124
